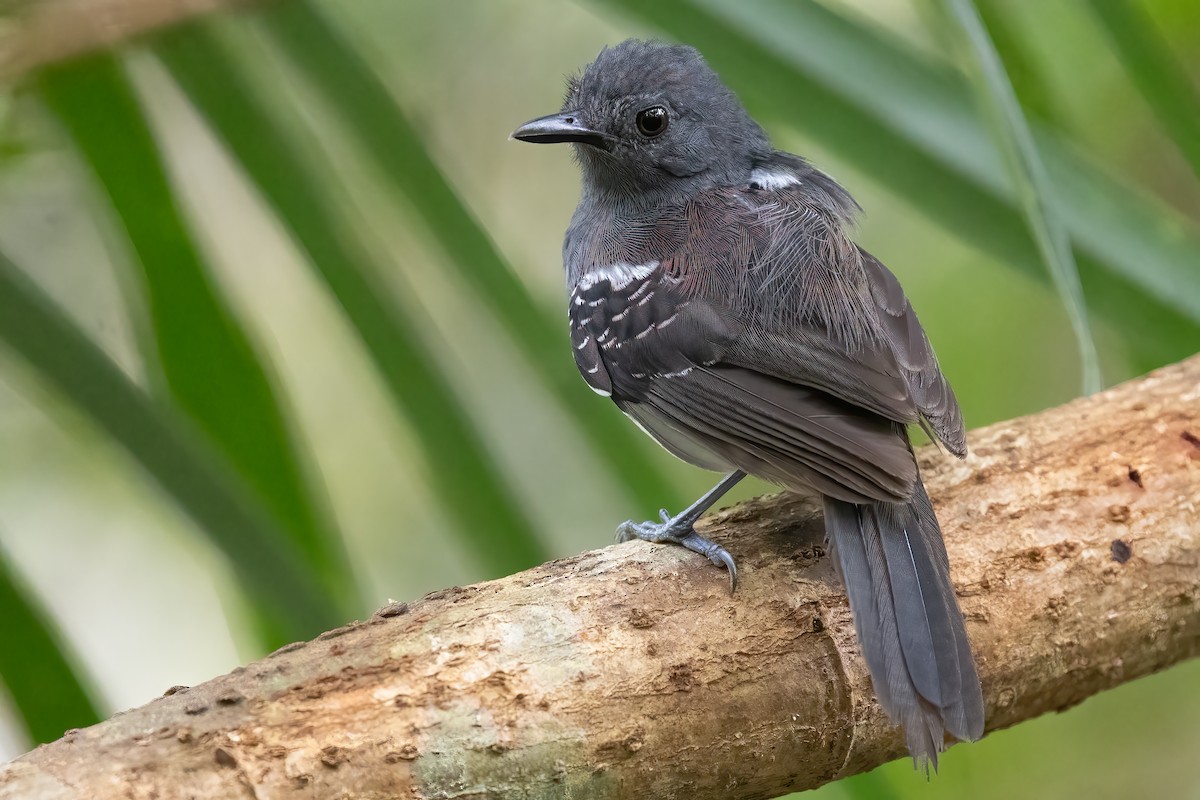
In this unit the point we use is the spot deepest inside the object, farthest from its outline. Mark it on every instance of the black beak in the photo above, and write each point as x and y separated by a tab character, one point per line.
564	127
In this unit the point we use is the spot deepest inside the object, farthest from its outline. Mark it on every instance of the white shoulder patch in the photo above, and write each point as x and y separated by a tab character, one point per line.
618	275
773	179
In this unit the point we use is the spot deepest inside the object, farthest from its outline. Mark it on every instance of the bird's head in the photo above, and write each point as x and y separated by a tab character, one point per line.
648	118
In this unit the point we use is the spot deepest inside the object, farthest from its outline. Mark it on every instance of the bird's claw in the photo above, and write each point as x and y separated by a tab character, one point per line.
672	530
629	530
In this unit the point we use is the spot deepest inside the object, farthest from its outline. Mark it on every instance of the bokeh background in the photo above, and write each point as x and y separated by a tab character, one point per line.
281	330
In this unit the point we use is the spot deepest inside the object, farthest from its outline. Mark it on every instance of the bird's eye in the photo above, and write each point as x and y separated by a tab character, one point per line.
652	121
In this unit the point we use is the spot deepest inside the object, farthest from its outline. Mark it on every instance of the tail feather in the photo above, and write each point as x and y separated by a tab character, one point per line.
897	577
963	710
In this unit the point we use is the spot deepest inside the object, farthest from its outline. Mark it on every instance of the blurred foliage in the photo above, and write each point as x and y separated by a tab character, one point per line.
197	341
173	454
1164	86
37	672
1027	172
286	262
469	485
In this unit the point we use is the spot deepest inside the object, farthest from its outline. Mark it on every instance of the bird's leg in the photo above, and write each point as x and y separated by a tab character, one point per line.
679	530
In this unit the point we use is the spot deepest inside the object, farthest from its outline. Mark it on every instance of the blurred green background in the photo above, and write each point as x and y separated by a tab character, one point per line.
281	329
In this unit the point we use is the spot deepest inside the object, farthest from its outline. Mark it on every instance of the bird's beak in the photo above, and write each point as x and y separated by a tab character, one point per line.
564	127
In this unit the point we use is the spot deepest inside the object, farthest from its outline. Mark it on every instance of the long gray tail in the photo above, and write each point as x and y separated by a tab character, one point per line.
911	630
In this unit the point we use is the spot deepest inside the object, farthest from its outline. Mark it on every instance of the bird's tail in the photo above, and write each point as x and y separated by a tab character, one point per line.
893	562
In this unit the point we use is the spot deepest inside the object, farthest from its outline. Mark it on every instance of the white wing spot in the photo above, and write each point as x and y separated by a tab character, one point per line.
584	343
601	392
618	275
773	179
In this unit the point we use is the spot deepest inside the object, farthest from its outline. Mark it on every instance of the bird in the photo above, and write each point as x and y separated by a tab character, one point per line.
717	297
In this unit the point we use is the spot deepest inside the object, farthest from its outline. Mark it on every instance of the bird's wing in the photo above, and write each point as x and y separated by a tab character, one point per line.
662	355
787	433
913	354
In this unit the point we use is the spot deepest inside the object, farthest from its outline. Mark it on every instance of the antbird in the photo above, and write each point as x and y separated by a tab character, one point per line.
717	298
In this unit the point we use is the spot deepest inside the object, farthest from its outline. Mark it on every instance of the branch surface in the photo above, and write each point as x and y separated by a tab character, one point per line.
630	672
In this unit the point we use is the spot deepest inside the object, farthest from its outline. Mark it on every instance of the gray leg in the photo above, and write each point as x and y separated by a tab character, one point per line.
678	529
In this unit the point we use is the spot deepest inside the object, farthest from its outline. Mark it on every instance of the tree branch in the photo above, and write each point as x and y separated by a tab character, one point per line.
46	32
1074	537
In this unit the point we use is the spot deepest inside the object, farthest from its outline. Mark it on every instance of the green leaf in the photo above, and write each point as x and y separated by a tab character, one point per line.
1159	78
468	482
46	690
212	372
1027	81
172	452
1029	176
914	129
348	84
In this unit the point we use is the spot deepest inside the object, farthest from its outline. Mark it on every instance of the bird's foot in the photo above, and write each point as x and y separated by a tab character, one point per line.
679	530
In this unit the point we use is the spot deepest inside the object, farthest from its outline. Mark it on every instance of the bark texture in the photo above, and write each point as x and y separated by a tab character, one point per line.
630	672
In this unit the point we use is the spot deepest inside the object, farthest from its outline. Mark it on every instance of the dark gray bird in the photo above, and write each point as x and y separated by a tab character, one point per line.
717	298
